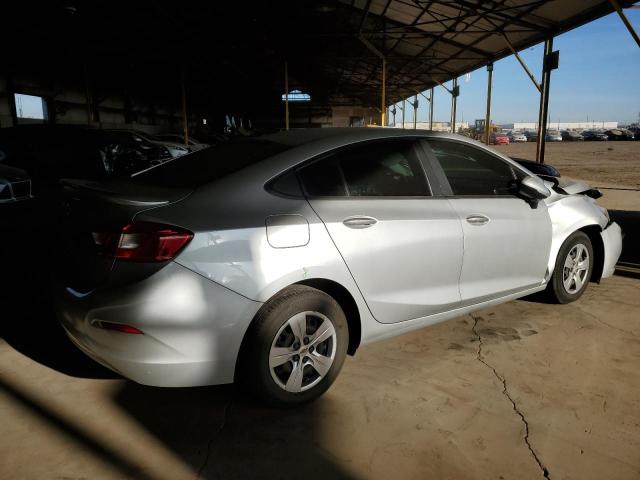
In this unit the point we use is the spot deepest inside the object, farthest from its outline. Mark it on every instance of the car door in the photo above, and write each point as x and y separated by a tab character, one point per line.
506	240
402	245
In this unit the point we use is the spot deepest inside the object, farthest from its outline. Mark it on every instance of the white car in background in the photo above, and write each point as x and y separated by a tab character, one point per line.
553	136
193	144
517	137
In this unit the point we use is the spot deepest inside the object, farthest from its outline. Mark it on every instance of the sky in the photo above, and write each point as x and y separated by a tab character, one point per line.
598	79
29	106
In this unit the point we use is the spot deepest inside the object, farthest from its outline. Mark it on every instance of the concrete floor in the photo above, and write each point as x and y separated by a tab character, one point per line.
511	392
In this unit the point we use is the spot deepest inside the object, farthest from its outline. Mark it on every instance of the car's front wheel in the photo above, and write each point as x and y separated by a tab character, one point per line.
295	347
573	269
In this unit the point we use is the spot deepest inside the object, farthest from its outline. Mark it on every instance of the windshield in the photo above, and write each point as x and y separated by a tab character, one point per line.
204	166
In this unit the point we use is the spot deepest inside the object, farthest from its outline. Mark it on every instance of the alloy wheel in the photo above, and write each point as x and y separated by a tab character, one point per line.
302	351
576	268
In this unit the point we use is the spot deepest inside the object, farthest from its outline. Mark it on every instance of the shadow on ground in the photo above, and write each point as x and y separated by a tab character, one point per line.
222	433
629	221
216	431
29	322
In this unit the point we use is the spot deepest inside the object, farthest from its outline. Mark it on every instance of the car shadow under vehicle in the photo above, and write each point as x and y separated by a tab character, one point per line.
29	322
221	432
629	222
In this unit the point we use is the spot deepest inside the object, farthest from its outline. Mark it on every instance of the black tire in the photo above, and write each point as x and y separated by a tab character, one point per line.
254	372
556	290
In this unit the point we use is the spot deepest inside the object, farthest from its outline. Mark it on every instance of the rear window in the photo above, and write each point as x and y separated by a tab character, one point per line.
207	165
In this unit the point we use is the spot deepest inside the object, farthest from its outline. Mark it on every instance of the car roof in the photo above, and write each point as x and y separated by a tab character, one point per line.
304	136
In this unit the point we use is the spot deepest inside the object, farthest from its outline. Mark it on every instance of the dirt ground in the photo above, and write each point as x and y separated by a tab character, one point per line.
598	162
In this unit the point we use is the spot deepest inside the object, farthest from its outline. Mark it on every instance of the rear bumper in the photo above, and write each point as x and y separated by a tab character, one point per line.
612	240
192	328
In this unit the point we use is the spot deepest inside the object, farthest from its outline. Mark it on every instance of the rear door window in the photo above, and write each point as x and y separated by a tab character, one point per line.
376	169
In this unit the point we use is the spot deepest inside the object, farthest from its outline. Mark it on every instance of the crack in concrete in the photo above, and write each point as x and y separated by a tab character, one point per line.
215	434
506	393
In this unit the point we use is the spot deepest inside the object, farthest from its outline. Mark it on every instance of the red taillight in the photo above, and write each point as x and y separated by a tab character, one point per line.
143	241
117	327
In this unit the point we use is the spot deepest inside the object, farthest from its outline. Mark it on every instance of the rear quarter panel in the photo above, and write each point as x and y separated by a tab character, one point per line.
230	247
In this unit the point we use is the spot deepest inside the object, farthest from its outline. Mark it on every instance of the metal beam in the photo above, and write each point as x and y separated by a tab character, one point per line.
87	93
185	123
364	15
443	86
544	102
415	111
11	98
286	96
487	118
484	37
524	65
431	110
625	20
454	104
403	109
383	96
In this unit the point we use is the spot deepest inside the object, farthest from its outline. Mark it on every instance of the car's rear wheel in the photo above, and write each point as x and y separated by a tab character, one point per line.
574	266
295	347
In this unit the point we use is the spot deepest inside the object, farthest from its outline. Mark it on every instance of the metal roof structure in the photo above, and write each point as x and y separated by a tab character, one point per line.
426	42
233	52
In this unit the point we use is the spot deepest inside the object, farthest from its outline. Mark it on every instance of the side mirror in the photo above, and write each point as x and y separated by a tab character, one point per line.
533	188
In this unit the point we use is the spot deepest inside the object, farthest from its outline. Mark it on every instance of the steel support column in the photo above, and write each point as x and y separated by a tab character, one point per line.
431	109
544	101
487	118
11	99
454	103
87	93
415	111
185	123
370	46
403	108
286	96
383	95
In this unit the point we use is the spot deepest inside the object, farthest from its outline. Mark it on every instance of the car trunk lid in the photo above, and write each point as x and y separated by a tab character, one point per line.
89	207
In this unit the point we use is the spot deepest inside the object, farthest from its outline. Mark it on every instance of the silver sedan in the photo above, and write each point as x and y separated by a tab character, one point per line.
266	261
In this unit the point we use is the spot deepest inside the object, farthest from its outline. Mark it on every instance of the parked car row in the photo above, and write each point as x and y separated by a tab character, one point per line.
43	154
173	142
515	136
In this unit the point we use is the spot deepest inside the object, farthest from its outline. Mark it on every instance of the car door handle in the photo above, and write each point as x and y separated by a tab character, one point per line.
477	219
360	221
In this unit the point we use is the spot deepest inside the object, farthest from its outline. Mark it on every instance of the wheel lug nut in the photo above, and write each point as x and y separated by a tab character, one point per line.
306	340
311	349
296	346
296	358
